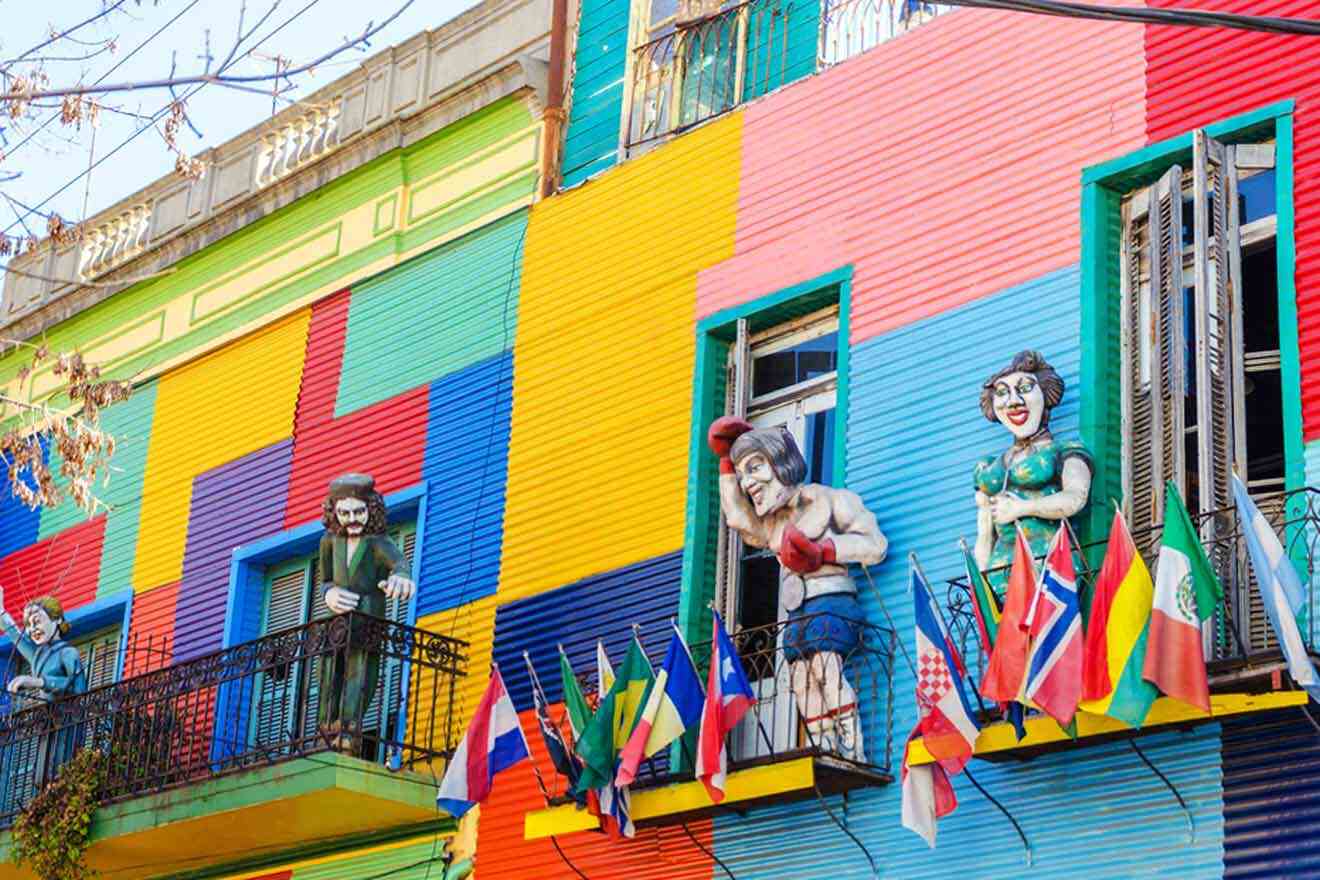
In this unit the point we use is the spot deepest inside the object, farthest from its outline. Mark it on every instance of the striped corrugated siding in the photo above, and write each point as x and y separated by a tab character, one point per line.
467	458
474	623
150	643
411	860
603	606
233	504
654	854
1195	76
973	201
436	314
386	440
225	405
1271	797
603	362
65	565
591	142
19	524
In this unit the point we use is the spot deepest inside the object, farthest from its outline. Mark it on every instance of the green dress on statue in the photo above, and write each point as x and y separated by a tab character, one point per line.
1036	475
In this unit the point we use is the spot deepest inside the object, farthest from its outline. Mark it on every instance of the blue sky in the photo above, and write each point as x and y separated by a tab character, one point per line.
52	158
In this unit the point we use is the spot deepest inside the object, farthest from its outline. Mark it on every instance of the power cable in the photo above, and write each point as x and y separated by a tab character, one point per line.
1139	15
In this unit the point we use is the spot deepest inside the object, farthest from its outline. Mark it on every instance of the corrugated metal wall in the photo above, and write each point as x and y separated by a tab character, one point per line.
603	606
592	140
19	525
66	566
150	641
438	313
950	182
1196	76
386	440
467	457
227	404
603	361
233	504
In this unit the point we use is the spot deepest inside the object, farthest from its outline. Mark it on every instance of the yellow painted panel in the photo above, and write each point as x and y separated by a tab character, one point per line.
999	737
494	166
474	623
340	856
284	265
684	797
222	406
598	450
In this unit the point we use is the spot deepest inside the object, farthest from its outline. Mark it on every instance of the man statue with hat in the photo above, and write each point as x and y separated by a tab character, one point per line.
360	568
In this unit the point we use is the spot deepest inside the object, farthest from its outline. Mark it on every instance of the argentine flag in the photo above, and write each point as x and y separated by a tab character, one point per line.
494	741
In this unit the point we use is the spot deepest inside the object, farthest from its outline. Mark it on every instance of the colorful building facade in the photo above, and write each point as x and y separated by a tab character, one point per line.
891	210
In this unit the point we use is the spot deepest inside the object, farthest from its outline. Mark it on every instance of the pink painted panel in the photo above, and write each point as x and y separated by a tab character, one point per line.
944	165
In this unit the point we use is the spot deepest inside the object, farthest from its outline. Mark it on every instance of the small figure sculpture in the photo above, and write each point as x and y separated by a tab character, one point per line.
1035	483
816	531
360	568
55	668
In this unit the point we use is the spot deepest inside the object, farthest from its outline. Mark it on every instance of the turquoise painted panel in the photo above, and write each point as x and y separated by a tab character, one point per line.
915	431
440	312
783	39
592	141
1312	456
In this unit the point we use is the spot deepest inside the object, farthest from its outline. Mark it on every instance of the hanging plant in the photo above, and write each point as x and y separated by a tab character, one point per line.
51	834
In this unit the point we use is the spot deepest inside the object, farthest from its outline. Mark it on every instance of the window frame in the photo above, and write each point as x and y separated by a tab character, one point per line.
1103	188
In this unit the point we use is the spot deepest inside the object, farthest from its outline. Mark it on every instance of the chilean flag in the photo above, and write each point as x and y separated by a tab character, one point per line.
947	723
728	697
494	741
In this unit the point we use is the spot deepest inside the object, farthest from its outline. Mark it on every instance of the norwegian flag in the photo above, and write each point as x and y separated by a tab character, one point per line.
947	724
1054	667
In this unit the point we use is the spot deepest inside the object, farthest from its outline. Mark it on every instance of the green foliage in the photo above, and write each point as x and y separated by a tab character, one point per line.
50	835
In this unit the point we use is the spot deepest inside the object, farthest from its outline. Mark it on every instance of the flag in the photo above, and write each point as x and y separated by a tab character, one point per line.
607	732
1008	662
1115	646
1054	664
613	806
1280	588
672	705
927	795
947	723
579	712
604	671
494	741
1186	593
566	763
985	605
728	697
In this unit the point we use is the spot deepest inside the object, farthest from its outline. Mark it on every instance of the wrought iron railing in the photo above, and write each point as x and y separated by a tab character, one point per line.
708	66
1241	639
851	27
259	703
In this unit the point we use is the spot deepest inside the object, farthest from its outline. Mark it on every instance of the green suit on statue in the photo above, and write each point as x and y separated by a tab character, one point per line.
360	568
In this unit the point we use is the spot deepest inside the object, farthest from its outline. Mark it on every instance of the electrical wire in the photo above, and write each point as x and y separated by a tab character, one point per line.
1272	24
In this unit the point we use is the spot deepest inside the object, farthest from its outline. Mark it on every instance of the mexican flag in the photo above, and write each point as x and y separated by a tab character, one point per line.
1186	593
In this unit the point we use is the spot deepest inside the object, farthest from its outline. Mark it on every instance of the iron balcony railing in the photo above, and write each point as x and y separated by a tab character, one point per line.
851	27
258	703
1241	642
773	730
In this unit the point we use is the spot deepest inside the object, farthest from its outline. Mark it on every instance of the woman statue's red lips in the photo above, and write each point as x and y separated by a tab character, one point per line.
1018	415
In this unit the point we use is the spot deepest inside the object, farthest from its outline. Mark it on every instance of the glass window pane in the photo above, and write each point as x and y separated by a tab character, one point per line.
815	357
662	9
1256	196
819	451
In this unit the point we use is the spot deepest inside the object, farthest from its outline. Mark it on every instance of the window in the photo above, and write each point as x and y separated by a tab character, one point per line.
292	599
1202	379
100	655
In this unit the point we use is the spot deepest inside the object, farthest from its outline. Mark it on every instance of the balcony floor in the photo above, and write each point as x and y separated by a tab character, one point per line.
244	816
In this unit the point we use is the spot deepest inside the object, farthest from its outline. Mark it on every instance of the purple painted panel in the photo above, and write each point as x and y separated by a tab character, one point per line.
231	505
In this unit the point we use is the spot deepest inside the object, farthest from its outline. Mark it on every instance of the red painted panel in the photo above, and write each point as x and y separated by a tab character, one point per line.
1196	76
65	565
386	440
654	854
950	170
151	631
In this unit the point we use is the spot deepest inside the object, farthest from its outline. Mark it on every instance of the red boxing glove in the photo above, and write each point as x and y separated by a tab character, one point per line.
723	431
803	555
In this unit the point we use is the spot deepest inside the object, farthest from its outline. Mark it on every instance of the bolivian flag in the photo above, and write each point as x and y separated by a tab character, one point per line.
608	731
1115	651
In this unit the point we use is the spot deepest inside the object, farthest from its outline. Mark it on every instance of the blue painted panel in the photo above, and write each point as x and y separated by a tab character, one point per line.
592	140
19	524
915	431
603	606
467	456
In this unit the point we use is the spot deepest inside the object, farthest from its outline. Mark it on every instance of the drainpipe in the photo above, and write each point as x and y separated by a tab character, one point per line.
554	116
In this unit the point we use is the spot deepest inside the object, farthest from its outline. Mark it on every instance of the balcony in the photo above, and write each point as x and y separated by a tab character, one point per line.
773	756
230	749
1246	669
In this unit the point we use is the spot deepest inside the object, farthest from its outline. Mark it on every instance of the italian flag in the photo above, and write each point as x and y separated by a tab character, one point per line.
1118	633
1186	593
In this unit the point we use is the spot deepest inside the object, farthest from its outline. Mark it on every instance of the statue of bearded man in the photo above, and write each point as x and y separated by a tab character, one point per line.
360	568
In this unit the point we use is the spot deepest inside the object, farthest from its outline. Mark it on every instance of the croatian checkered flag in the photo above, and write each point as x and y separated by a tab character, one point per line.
948	725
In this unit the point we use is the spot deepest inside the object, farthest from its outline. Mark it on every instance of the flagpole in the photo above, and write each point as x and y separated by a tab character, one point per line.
916	563
540	692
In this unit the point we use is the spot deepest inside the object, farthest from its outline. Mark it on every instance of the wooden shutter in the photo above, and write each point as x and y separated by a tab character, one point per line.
277	690
99	653
729	545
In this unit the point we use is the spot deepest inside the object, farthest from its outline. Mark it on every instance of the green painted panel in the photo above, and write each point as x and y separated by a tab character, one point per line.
437	313
592	141
409	862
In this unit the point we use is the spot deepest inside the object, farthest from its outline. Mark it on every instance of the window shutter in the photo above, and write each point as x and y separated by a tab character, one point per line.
277	693
99	653
729	544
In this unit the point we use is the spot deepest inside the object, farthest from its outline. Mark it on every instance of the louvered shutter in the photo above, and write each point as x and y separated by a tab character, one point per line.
99	653
277	689
1155	385
728	543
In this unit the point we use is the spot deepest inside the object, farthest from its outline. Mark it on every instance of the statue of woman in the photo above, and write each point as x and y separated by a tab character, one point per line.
54	667
815	531
1037	481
